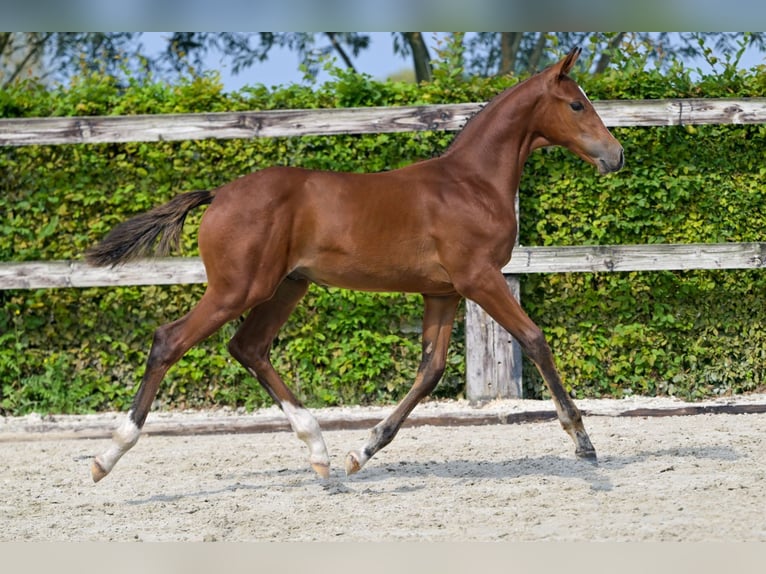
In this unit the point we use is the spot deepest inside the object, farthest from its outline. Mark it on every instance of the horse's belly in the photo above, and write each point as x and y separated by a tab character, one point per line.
370	278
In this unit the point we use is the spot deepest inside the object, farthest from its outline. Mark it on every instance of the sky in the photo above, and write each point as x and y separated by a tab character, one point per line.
281	67
379	61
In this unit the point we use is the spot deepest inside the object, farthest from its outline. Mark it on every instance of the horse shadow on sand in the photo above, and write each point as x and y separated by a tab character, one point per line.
597	475
375	477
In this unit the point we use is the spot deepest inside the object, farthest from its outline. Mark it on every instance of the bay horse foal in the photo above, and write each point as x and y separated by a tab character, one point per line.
443	227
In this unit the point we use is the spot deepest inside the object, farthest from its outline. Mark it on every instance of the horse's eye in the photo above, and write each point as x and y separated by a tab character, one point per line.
577	106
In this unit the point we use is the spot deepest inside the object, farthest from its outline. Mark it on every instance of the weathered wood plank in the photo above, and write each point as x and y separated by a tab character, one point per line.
228	125
653	257
250	424
696	111
286	123
575	259
51	274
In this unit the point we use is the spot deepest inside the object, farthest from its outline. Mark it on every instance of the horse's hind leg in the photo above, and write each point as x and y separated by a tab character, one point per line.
437	328
251	346
170	343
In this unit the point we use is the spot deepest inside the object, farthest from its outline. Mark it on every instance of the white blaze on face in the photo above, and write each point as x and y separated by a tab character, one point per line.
583	94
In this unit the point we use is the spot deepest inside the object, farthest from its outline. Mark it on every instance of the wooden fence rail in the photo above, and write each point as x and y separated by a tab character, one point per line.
493	365
573	259
288	123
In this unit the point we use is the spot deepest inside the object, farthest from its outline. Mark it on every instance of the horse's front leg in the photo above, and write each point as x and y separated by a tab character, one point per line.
437	327
492	294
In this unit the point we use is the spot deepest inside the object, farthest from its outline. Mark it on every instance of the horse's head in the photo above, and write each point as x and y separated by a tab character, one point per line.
568	119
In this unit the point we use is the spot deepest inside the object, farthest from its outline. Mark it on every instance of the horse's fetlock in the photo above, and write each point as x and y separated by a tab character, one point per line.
381	435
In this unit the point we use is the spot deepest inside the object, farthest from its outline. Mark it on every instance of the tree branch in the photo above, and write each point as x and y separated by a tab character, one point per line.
339	48
35	49
606	55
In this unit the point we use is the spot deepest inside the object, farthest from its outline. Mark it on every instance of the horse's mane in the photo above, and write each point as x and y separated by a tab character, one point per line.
491	104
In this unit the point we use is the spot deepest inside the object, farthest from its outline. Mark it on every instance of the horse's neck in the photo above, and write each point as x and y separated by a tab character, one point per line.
496	142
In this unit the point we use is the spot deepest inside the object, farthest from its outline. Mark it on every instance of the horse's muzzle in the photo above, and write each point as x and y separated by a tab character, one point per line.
610	165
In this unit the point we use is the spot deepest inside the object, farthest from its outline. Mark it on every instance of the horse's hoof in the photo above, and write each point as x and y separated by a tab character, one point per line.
322	469
97	471
352	463
588	455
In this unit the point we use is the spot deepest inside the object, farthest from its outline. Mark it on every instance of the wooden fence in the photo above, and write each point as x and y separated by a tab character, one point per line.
493	360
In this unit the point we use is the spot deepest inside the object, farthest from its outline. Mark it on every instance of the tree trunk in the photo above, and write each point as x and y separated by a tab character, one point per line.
420	56
509	48
537	53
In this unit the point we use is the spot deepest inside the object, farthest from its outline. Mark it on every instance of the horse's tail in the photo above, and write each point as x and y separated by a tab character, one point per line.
136	237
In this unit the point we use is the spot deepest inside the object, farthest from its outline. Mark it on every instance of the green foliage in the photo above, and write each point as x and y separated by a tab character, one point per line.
691	333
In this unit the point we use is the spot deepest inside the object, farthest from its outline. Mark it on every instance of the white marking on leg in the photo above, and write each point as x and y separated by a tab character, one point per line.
307	429
356	459
123	440
361	454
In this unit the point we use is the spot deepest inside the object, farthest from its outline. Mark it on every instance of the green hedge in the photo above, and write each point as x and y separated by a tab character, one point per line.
687	333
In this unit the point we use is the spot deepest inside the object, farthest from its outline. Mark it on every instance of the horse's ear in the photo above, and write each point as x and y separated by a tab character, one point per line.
565	65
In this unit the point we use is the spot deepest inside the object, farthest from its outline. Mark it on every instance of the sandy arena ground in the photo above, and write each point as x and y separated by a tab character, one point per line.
659	478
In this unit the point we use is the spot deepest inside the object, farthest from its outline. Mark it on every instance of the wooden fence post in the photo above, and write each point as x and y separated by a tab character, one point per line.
493	357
